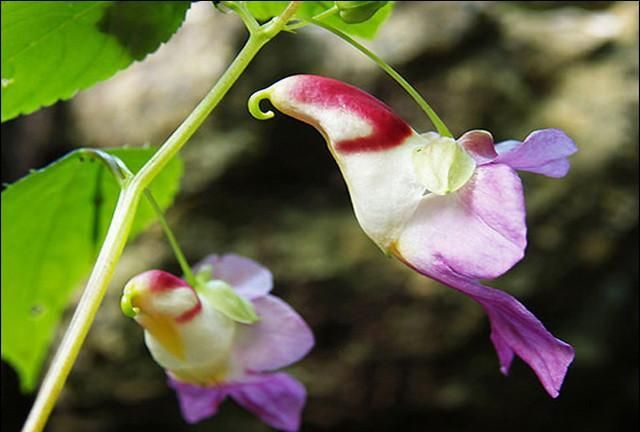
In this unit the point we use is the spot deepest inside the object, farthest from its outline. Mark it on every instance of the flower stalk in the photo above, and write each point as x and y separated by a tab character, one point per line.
435	119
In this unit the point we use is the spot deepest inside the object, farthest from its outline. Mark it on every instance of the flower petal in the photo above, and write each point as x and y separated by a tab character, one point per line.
278	339
479	144
513	329
372	146
250	279
197	402
544	151
352	120
277	399
479	231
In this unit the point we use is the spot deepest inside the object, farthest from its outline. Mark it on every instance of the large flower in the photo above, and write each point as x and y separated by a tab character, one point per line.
451	210
223	338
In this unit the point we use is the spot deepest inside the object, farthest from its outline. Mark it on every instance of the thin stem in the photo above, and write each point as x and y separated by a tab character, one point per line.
437	122
123	218
184	264
329	12
191	124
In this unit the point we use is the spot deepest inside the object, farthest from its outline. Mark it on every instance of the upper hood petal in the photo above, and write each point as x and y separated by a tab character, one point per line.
352	120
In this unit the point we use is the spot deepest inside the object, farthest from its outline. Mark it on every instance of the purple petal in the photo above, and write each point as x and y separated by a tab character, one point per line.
250	279
480	230
479	144
277	399
514	330
280	338
544	151
197	402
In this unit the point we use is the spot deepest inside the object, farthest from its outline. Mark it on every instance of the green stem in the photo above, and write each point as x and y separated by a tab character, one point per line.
122	221
241	10
184	265
175	142
329	12
437	122
123	174
85	311
181	135
116	167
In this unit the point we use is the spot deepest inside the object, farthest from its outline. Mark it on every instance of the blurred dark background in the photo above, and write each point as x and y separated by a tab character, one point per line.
395	351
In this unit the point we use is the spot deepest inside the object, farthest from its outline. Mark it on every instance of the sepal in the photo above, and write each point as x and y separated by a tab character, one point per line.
223	298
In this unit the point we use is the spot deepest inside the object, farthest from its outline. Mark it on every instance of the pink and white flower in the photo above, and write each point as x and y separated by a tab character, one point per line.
224	337
450	209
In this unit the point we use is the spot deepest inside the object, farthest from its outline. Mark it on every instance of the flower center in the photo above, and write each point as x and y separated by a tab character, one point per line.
441	165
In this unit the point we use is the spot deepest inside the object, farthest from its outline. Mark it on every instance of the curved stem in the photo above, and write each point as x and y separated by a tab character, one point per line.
123	218
241	10
437	122
118	169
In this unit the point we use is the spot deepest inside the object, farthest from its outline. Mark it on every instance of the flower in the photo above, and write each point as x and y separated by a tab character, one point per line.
223	337
452	210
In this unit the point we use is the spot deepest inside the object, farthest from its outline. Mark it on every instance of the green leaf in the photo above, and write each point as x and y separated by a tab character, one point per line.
224	299
53	223
367	29
50	50
265	10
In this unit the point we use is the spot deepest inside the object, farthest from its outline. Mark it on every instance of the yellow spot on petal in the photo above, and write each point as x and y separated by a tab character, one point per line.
164	330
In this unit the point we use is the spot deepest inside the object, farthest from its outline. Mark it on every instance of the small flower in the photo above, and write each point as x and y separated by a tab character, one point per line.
223	338
450	209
